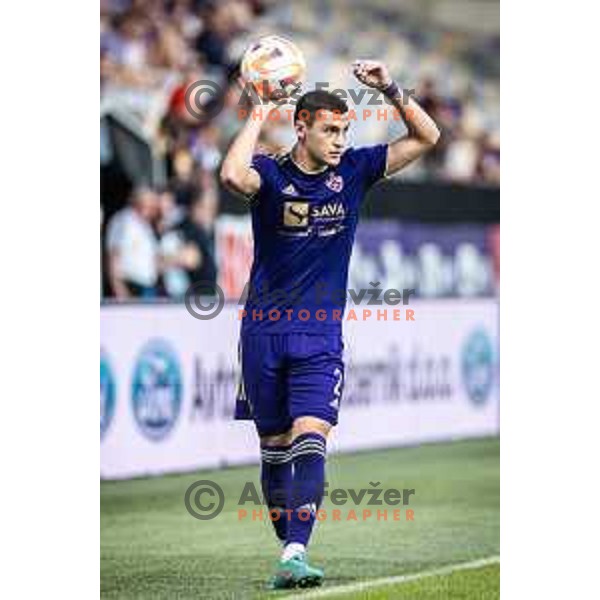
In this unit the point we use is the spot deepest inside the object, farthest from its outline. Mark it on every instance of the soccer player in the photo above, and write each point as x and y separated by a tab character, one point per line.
305	207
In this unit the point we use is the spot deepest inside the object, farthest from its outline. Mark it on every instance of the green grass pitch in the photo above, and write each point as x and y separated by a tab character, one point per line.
152	548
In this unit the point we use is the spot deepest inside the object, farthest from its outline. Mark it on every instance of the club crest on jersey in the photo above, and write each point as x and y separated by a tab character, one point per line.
335	183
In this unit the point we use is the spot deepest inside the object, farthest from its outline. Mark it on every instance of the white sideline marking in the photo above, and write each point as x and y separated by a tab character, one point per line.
384	581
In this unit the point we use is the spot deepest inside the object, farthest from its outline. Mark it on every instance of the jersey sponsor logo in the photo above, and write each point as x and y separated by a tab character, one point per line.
300	219
295	214
335	182
332	210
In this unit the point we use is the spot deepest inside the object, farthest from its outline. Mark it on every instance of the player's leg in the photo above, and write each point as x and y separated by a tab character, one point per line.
263	398
276	479
308	452
314	387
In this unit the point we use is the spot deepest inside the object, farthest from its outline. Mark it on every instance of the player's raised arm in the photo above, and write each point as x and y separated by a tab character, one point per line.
423	133
236	171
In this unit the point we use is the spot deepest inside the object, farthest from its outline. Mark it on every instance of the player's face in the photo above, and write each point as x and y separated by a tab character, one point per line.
326	138
147	204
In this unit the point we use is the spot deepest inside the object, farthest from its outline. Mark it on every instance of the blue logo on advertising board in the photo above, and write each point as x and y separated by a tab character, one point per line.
107	393
478	366
156	389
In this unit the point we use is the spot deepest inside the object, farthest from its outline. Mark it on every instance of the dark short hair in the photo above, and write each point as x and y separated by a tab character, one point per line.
312	102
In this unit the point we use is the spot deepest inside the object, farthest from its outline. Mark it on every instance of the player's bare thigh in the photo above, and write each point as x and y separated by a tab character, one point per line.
301	425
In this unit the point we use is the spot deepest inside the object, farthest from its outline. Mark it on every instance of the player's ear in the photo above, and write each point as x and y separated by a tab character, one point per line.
301	130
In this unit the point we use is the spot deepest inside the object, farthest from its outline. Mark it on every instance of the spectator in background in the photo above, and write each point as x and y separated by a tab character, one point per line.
461	155
488	167
224	20
125	49
172	44
193	156
197	231
169	214
184	182
431	102
206	152
132	248
174	256
186	248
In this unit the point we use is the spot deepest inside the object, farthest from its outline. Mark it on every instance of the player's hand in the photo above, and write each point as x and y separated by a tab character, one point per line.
372	73
279	98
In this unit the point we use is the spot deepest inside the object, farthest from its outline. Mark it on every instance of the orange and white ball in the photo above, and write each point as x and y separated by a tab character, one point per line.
274	66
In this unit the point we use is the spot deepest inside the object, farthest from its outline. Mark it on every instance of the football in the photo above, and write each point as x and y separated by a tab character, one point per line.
274	65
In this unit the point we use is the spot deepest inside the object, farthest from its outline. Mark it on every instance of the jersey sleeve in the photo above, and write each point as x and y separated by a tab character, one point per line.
266	167
370	161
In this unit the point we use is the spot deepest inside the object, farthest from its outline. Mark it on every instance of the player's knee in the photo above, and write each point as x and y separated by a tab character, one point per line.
310	425
280	439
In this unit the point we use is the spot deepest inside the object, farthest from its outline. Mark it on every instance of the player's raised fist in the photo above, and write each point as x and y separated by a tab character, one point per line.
372	73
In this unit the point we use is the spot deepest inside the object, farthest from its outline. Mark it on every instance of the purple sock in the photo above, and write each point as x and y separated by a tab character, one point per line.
308	457
276	481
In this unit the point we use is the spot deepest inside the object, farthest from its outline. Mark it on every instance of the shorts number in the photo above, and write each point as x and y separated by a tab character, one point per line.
337	389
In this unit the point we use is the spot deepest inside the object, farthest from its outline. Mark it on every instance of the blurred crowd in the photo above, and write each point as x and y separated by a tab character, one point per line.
466	153
151	51
156	248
